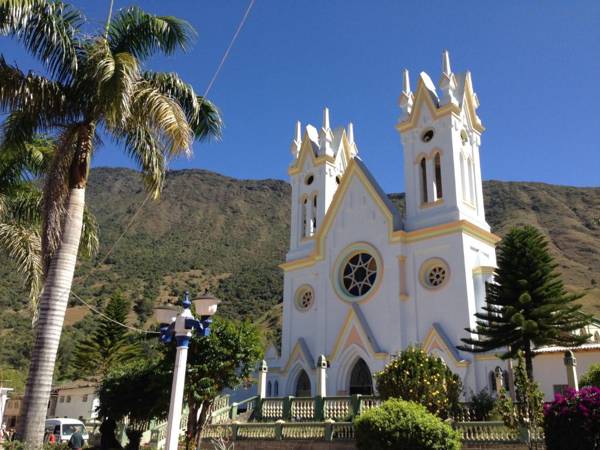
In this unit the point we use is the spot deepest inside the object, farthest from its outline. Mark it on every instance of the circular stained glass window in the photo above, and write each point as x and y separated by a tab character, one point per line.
434	273
359	274
305	298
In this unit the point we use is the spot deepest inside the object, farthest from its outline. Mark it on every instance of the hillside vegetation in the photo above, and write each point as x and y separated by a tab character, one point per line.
211	232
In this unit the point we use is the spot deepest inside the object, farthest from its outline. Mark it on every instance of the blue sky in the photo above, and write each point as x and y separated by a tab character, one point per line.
535	67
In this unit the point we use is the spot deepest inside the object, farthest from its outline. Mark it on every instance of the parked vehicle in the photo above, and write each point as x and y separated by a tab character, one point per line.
63	428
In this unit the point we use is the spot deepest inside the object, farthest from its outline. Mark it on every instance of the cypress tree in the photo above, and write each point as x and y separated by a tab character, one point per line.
109	344
526	305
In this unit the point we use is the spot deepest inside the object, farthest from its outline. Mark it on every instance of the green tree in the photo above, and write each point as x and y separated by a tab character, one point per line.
527	304
422	378
109	344
224	359
591	377
138	391
527	412
94	82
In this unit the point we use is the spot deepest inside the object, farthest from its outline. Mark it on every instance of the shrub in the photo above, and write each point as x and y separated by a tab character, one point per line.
572	420
419	377
591	377
403	425
482	405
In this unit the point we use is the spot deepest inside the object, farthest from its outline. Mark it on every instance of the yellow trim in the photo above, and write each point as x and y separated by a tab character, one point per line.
404	297
439	201
484	270
406	237
422	96
431	336
348	321
296	351
307	149
486	358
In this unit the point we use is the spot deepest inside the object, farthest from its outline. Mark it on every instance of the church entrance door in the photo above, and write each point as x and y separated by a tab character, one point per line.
303	385
361	381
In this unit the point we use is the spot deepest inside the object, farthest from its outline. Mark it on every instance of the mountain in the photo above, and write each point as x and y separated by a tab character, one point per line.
211	232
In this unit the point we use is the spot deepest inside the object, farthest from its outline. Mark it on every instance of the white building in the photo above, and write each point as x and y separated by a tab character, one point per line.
361	281
77	400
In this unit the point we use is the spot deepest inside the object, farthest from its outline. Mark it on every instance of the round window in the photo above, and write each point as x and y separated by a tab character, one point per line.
305	298
359	274
309	179
427	135
434	273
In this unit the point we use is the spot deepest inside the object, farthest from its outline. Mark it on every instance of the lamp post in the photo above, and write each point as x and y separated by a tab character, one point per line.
180	325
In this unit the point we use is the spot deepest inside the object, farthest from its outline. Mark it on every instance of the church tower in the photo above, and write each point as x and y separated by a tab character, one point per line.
441	138
320	158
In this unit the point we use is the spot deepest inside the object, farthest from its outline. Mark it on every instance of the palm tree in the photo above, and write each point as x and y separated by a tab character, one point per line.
20	212
94	85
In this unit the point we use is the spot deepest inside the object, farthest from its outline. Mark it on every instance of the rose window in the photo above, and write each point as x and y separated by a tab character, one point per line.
359	274
305	299
436	276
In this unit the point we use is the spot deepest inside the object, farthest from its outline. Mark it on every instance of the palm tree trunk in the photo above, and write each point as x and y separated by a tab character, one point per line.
53	305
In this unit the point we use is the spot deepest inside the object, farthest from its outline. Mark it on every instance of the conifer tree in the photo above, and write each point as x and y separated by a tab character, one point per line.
109	344
527	304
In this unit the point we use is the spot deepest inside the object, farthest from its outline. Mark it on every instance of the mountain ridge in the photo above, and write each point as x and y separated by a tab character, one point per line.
214	232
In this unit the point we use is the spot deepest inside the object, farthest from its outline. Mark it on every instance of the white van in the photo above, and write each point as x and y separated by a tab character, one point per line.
63	428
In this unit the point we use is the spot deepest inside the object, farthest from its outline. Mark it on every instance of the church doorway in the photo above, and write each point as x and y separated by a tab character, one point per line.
303	385
361	381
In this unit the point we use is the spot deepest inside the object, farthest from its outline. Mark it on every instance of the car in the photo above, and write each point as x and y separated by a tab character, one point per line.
63	428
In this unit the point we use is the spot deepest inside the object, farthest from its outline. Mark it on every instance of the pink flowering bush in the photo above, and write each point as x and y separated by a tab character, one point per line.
572	420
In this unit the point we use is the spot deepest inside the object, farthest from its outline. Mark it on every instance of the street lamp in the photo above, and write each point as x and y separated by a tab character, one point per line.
180	325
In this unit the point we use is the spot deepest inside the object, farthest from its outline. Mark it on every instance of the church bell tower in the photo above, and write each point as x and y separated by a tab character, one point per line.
441	138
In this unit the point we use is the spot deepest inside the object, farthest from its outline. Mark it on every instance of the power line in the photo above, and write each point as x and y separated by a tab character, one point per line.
138	210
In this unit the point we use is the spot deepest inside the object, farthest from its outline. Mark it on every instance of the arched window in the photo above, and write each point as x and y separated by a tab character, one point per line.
423	167
471	181
304	217
268	389
437	161
361	381
276	389
314	213
303	385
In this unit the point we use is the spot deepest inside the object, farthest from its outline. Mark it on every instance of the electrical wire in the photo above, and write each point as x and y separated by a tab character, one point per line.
138	210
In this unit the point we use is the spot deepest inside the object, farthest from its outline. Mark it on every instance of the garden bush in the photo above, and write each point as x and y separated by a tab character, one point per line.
572	420
591	377
422	378
403	425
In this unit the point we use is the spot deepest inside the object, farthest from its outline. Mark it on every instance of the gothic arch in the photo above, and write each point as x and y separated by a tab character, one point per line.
361	379
293	376
347	360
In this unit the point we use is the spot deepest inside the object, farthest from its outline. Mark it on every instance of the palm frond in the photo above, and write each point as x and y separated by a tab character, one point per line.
145	148
22	244
90	242
111	79
23	205
48	29
203	116
135	31
162	113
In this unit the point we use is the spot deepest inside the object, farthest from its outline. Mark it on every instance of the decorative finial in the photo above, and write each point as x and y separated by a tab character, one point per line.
326	118
351	133
186	300
405	82
446	63
298	131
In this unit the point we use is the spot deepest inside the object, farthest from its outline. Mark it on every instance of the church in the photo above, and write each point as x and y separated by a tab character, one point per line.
363	281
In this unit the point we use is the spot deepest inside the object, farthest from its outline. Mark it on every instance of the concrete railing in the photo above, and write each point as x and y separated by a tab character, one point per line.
321	431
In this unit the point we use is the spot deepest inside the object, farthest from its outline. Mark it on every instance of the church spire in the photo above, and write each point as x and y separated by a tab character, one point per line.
325	135
406	97
447	82
297	142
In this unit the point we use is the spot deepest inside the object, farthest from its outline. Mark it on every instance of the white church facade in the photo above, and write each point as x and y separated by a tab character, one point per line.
363	282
